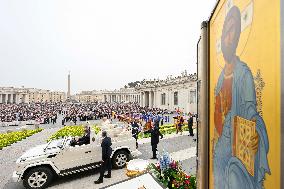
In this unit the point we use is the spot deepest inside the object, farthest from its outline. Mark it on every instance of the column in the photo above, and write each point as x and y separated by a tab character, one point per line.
168	100
146	98
14	98
4	98
150	99
141	99
155	100
9	98
17	98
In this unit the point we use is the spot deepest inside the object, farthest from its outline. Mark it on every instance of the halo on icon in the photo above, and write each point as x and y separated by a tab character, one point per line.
247	13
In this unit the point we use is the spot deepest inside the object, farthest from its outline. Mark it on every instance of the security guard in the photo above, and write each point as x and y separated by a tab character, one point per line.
106	161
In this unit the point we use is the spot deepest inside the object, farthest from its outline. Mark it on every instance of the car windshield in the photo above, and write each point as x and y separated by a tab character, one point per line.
55	143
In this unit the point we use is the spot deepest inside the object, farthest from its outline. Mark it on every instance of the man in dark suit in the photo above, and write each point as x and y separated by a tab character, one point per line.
135	131
85	139
162	121
155	134
106	161
190	124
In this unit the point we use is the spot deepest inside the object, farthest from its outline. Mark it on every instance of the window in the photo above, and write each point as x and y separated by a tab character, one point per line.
175	98
163	98
192	97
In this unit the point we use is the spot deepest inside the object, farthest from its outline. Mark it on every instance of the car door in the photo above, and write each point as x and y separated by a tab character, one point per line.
72	157
96	152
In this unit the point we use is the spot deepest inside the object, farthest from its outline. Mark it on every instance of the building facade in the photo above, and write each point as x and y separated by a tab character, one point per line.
178	93
88	97
173	93
29	95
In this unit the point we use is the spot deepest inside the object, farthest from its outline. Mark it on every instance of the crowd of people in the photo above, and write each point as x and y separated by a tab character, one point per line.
42	112
71	113
46	113
120	111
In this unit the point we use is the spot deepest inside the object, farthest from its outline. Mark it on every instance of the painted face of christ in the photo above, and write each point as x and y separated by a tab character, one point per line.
231	34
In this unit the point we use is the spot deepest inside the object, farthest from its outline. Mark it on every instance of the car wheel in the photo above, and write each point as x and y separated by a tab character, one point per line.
38	177
119	159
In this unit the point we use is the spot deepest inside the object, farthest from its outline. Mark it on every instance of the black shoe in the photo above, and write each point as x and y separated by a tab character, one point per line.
107	176
153	158
99	181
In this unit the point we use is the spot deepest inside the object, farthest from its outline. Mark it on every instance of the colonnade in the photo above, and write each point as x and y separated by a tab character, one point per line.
12	98
148	98
122	98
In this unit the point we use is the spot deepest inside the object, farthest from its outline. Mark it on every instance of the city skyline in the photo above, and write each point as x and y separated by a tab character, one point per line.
69	85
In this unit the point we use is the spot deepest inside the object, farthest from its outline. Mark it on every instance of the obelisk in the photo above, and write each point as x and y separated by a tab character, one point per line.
69	87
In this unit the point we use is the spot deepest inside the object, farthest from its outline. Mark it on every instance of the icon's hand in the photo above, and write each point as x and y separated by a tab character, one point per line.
253	144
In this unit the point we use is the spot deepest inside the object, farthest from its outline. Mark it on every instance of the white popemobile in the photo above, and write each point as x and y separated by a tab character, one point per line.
38	166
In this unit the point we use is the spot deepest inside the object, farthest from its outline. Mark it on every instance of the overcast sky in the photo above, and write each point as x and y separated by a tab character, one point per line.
105	44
